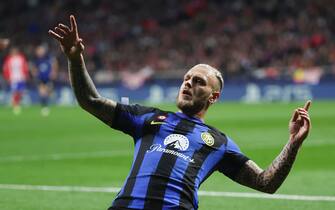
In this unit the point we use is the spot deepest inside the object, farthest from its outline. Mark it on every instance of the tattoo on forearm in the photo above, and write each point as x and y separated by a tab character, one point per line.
81	82
86	93
269	180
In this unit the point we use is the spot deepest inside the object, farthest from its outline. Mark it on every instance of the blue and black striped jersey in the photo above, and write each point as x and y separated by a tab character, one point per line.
174	154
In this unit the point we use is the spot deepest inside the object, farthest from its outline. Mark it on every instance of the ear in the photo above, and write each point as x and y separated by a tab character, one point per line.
214	97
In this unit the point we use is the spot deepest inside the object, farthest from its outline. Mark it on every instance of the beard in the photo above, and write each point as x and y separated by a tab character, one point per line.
192	107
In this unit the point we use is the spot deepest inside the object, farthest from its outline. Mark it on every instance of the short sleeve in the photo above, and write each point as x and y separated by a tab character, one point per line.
130	118
232	161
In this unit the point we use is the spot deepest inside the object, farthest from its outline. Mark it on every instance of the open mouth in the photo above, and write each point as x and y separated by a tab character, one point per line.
187	92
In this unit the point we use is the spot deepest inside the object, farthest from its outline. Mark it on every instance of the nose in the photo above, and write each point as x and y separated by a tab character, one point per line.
188	83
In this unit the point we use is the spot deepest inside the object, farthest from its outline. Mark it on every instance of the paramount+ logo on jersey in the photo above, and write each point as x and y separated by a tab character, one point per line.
177	141
173	144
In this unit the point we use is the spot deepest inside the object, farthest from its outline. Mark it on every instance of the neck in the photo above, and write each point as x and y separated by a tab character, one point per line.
200	115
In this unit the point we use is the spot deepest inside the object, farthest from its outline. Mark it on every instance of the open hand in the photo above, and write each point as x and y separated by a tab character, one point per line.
68	38
300	124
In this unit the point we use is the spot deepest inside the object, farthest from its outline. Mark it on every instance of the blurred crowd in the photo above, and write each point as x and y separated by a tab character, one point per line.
240	37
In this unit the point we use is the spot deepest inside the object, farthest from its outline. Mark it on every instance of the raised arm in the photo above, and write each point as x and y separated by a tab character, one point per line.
269	180
84	89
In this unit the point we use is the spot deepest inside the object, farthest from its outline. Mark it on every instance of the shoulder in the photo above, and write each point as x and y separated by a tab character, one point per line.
132	119
137	109
219	136
229	143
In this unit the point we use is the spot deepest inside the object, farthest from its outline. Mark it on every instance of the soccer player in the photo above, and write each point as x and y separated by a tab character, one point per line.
15	71
45	68
176	152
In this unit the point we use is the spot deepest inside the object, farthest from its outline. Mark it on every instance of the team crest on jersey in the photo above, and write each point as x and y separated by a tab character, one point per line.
207	138
159	120
177	141
161	117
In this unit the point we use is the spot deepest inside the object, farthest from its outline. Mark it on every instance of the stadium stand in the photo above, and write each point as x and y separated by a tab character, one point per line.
169	36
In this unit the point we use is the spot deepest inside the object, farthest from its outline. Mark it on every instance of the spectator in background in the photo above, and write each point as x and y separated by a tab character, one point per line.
15	70
279	36
44	72
3	43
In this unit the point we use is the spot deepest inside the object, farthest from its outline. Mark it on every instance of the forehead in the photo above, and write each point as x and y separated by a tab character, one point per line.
201	70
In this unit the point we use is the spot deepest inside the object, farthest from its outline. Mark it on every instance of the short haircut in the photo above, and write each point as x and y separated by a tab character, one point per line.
216	72
219	76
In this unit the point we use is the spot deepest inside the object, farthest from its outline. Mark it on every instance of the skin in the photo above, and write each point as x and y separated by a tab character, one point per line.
270	179
83	87
200	89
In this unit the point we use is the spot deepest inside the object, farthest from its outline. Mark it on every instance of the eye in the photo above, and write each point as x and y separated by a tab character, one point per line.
199	81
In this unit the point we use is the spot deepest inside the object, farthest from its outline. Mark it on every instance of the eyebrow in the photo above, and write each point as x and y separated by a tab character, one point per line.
202	77
199	77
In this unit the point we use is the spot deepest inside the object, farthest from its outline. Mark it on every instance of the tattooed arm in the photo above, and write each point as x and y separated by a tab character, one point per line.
269	180
84	89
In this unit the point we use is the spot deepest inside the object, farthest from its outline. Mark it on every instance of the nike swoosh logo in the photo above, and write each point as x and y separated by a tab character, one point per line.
157	123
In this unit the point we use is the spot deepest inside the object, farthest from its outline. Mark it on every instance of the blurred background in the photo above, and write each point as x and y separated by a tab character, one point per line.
274	55
268	51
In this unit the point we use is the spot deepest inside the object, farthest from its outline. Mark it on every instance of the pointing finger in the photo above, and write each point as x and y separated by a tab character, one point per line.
307	105
71	23
74	25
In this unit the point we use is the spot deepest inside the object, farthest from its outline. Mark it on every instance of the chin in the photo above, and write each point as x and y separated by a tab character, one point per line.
189	107
181	103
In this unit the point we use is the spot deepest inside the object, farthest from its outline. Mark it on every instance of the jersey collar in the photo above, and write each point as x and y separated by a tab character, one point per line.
194	119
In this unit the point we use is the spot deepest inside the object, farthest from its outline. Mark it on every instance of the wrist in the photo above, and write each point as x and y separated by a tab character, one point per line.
76	62
293	143
75	59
